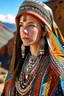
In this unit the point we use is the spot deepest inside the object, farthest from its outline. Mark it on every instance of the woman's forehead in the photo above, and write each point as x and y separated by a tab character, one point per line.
26	17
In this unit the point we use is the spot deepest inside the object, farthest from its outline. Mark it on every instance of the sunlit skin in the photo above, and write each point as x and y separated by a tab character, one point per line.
30	32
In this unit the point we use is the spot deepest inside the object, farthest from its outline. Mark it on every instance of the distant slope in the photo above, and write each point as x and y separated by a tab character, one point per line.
10	26
5	35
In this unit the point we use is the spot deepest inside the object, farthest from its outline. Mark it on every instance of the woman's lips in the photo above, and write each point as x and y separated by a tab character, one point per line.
25	38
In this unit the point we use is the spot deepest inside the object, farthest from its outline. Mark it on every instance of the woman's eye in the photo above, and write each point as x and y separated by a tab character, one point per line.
20	25
32	25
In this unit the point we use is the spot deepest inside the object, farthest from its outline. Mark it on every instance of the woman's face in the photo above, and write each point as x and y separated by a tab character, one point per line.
30	30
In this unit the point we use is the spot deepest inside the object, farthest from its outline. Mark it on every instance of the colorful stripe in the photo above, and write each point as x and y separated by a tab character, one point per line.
49	82
56	52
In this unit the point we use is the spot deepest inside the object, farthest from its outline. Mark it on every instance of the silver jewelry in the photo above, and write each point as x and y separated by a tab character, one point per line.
42	46
26	78
22	50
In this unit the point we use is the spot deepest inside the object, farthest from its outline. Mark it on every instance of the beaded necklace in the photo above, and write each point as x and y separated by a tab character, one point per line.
28	73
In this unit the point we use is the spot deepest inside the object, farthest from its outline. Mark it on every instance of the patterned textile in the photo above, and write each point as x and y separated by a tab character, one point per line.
56	52
48	84
57	32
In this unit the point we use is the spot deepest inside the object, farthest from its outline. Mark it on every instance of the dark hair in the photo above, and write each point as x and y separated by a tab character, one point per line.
18	62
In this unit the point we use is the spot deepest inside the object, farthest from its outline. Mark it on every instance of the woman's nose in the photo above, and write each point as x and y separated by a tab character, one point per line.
25	31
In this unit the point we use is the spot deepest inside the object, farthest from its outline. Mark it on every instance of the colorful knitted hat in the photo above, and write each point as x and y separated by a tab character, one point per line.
38	9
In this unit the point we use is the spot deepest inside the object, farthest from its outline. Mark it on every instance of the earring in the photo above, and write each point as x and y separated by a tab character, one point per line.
22	50
42	46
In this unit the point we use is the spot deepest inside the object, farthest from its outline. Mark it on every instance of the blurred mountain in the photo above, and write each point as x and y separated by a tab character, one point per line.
6	45
9	21
5	34
10	26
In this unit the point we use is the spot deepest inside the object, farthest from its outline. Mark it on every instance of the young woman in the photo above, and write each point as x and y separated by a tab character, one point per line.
37	67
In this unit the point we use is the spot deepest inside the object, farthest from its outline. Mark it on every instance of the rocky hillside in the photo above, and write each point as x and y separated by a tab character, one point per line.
6	45
58	10
10	26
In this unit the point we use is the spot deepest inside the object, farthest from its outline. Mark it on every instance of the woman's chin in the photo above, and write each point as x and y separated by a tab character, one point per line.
26	44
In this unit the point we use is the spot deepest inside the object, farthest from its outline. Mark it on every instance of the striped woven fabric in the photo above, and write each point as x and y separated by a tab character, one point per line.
56	51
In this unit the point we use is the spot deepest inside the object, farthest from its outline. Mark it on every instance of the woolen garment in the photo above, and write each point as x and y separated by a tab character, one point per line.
48	82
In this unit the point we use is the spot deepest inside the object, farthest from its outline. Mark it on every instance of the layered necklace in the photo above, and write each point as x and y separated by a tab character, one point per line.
28	73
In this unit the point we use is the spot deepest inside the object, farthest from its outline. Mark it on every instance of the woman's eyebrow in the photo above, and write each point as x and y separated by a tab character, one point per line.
31	22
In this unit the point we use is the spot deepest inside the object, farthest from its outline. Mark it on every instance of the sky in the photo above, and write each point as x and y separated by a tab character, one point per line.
9	8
